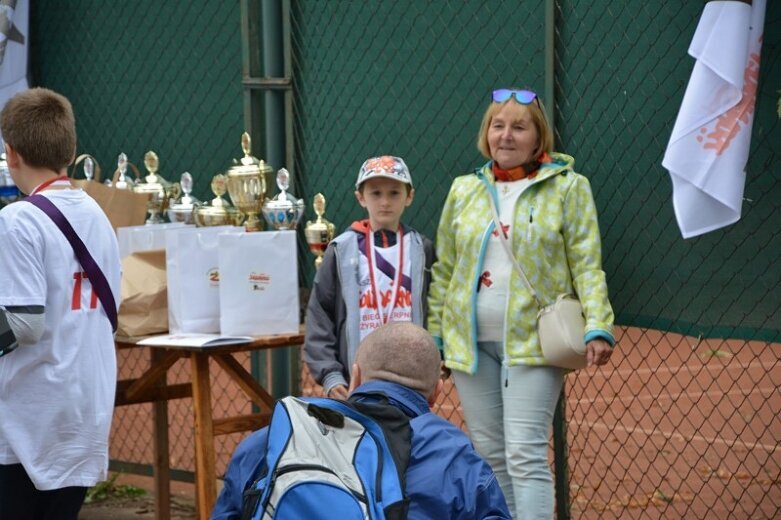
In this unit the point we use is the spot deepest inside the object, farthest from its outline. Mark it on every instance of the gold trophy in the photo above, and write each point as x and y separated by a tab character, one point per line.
156	186
219	211
320	232
247	184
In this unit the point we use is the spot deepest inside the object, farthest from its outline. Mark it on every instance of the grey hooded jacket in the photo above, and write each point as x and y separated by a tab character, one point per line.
332	315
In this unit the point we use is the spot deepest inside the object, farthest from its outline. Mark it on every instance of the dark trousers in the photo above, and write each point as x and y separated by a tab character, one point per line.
19	500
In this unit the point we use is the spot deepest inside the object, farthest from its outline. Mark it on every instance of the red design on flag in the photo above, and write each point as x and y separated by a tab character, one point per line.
728	124
710	142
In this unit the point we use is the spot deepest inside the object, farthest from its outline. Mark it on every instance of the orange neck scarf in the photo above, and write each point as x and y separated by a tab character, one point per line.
530	170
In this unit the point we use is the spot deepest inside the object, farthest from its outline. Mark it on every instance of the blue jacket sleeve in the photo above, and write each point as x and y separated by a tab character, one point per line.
446	478
489	502
243	470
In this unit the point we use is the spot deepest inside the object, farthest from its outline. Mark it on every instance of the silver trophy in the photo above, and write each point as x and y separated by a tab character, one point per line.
122	181
181	209
283	211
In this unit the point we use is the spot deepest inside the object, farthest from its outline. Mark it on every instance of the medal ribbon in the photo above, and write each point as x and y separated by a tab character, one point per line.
399	273
48	183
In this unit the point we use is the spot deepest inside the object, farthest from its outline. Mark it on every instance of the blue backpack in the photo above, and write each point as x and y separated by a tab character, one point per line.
330	459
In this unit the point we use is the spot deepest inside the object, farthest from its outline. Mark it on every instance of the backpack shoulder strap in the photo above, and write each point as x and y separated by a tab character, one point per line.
395	428
95	275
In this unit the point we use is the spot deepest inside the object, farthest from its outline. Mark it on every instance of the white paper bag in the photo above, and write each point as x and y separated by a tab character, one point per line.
259	283
134	239
193	278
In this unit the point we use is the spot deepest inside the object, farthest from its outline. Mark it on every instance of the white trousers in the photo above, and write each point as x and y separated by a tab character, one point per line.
509	413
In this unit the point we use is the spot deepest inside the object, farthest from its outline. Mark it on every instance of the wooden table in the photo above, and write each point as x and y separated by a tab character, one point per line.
152	387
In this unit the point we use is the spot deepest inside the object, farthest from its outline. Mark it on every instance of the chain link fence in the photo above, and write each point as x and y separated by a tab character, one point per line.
684	423
162	76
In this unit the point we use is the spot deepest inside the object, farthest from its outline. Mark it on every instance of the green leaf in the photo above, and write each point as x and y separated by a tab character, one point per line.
109	489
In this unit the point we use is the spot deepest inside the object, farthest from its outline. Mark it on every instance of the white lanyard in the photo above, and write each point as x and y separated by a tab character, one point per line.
399	269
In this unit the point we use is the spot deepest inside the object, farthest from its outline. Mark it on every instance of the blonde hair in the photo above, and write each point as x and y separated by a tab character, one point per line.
537	112
39	125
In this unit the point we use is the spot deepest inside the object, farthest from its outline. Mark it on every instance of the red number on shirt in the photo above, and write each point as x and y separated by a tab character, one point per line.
76	300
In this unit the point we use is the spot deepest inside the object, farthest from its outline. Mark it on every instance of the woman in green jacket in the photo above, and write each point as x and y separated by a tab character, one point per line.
482	314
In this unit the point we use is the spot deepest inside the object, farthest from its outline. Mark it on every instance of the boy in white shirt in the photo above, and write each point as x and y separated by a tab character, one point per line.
57	387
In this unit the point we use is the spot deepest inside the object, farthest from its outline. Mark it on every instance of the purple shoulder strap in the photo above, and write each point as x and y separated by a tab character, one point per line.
94	274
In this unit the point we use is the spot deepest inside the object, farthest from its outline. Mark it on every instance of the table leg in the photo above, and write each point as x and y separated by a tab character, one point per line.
162	469
205	473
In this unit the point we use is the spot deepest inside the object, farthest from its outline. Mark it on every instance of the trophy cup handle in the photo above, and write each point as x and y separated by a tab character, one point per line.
84	157
171	194
174	191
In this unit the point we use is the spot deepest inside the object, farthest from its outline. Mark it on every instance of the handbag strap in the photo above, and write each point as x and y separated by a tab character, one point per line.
94	274
503	238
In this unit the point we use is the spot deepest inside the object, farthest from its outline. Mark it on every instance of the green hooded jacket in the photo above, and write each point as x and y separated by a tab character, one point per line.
555	238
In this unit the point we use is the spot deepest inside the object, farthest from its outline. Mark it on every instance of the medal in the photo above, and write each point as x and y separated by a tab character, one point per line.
399	272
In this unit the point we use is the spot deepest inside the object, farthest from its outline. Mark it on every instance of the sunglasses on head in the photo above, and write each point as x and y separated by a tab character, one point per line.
524	97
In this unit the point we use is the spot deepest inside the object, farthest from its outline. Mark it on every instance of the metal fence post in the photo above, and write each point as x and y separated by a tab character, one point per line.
559	417
253	121
560	457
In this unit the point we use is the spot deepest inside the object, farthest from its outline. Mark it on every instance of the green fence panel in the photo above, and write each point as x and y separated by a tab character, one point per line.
403	78
618	96
146	75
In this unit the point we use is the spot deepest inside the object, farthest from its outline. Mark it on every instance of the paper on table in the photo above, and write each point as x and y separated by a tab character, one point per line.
194	340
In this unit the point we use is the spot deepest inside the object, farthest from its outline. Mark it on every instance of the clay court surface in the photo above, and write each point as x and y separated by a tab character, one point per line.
677	429
674	428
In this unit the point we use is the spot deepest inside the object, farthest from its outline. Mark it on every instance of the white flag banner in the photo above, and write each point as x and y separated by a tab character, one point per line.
709	145
14	42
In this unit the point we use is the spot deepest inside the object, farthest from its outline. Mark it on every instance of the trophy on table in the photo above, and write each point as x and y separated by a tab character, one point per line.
121	180
180	209
319	232
156	186
247	184
283	211
90	166
219	212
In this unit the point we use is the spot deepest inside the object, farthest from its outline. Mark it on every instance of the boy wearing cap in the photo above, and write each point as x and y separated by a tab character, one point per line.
376	272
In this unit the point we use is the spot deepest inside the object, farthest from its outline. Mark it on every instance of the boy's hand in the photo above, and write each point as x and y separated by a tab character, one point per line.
338	392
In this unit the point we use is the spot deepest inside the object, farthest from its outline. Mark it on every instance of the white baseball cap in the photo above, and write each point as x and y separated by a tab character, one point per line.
386	166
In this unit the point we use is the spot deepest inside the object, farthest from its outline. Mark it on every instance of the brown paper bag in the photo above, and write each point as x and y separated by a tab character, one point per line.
122	207
143	308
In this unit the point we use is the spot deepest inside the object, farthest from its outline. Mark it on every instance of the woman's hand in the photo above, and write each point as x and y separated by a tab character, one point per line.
598	352
338	392
444	372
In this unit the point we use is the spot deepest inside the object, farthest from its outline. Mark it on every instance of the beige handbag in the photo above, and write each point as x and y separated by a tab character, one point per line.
561	325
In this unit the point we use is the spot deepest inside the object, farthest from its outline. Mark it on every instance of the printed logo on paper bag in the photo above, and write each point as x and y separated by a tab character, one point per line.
259	281
214	277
